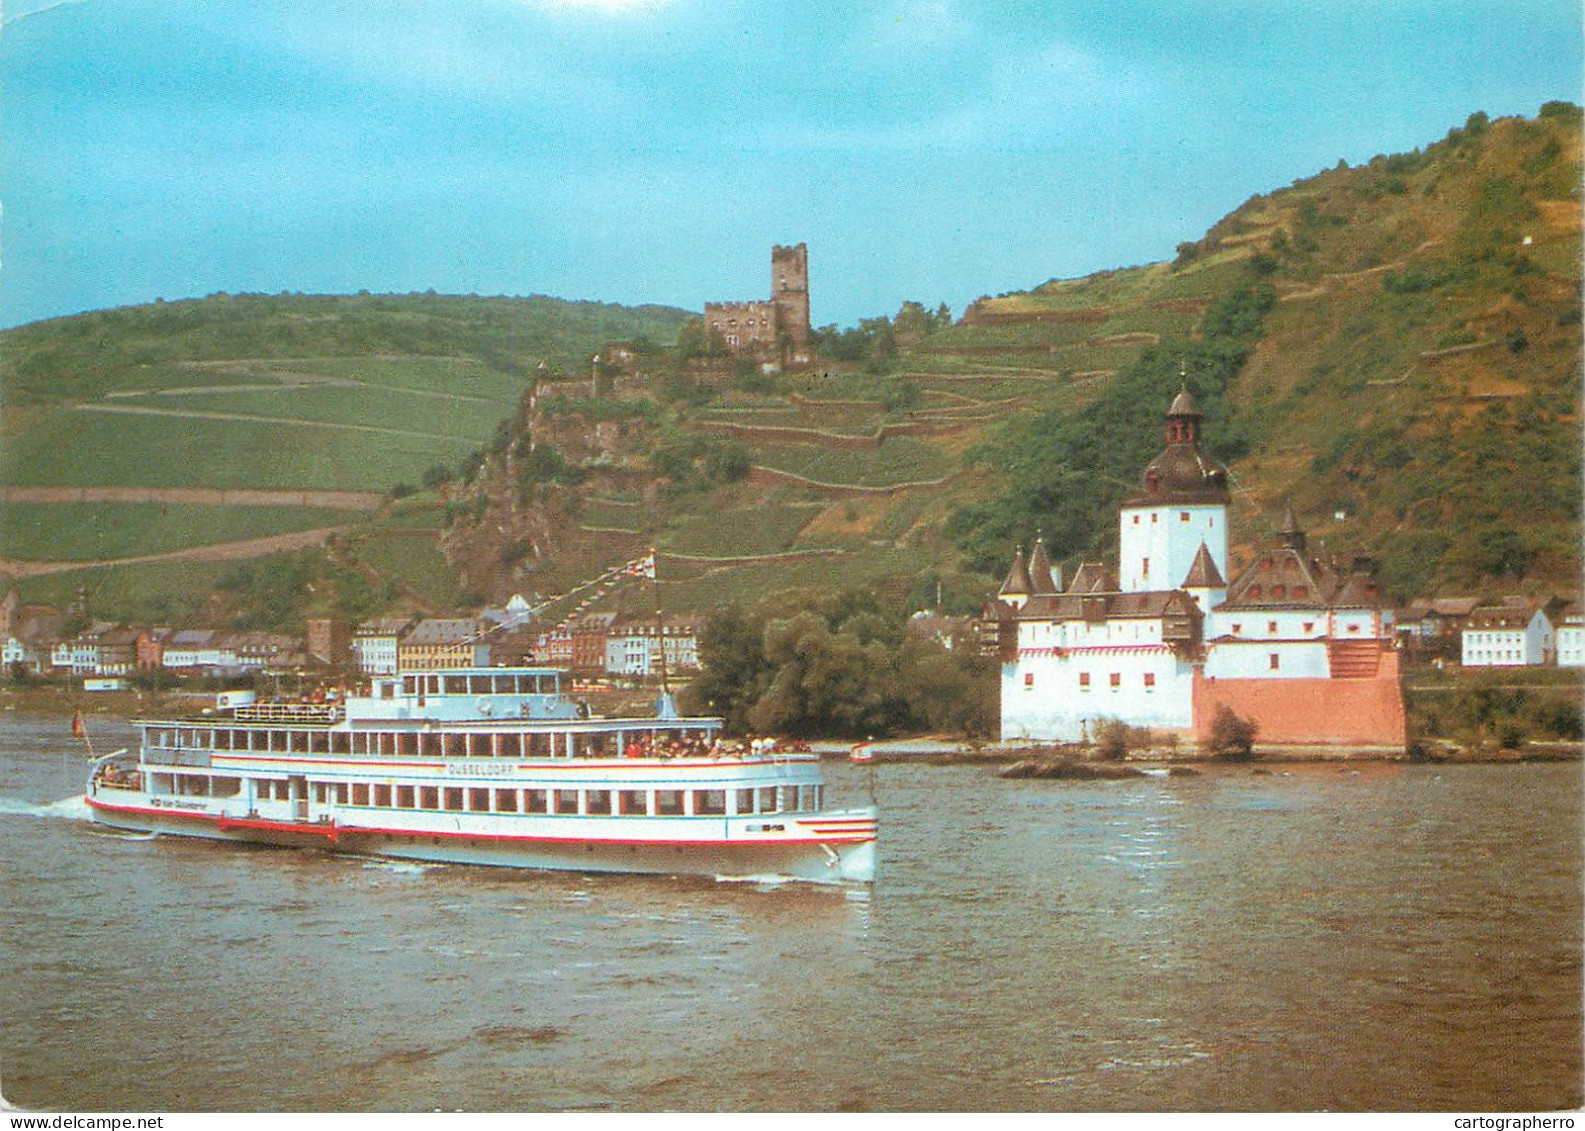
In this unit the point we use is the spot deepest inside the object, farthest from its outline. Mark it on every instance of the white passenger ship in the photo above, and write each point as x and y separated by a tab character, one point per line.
485	766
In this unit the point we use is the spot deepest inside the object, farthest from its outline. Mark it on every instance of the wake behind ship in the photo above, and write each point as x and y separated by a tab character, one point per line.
486	766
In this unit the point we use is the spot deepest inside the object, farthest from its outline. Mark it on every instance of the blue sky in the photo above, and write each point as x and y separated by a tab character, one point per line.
653	150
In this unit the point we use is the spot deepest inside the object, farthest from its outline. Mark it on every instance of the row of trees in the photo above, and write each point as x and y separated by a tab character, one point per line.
804	664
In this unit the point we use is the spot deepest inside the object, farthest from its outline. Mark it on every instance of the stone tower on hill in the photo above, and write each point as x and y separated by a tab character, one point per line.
789	271
775	332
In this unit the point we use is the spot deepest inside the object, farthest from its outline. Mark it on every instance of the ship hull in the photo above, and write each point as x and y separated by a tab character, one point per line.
819	857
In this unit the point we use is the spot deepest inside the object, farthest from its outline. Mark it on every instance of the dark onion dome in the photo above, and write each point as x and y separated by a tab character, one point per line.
1182	473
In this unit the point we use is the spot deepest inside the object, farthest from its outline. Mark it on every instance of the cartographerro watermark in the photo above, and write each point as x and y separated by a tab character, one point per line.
1513	1123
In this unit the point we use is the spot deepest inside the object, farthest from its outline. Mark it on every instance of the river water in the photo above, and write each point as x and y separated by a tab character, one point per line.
1298	937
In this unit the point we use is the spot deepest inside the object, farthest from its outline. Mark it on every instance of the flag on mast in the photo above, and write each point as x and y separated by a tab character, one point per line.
78	730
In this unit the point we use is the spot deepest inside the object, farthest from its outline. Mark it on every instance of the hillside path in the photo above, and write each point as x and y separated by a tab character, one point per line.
219	552
250	418
199	496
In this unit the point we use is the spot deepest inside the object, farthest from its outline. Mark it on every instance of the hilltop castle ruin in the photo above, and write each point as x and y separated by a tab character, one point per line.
776	331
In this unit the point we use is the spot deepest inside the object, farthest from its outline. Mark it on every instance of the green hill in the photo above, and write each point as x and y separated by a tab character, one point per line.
1395	348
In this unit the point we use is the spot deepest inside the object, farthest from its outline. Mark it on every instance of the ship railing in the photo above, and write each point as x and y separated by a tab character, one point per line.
290	713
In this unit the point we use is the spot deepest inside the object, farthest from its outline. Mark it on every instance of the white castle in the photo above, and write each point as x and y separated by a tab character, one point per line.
1297	644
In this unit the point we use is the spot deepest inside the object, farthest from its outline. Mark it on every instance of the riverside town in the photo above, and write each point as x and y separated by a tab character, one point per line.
1070	688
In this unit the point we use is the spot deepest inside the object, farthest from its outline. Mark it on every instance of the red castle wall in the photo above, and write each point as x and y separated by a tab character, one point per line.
1310	712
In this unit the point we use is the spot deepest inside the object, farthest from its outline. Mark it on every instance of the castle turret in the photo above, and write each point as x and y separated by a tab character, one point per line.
1042	578
1180	505
1016	590
1205	582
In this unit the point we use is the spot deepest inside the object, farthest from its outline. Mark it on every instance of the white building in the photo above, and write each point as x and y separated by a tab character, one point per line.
1571	637
1501	636
635	647
1296	642
374	645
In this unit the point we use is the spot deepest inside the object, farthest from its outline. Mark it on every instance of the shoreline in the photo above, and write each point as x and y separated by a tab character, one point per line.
930	750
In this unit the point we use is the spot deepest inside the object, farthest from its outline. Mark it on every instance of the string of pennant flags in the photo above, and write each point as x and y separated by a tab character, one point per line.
593	590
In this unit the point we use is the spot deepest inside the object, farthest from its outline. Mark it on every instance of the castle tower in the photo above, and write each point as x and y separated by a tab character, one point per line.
789	279
1181	505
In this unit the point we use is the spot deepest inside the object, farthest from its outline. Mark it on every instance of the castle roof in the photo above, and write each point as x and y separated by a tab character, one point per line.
1040	570
1149	605
1203	573
1289	576
1182	472
1017	583
1092	577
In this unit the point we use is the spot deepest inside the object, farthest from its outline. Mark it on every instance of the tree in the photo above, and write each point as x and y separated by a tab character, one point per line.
1232	736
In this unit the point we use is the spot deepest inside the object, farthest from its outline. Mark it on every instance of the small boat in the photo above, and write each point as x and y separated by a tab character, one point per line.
485	766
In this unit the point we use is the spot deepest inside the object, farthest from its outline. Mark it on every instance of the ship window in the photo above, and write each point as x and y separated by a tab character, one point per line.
767	799
506	801
745	801
1353	628
1276	661
407	745
319	792
382	796
710	803
1150	679
806	799
429	797
454	799
1237	628
405	797
511	745
409	685
479	800
566	801
360	793
226	787
1116	679
341	793
668	802
1309	626
1300	591
1271	627
634	803
598	802
1254	592
1029	679
1084	679
533	801
786	798
1183	516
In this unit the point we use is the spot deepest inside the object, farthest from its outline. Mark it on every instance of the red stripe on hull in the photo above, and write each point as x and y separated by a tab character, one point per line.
335	832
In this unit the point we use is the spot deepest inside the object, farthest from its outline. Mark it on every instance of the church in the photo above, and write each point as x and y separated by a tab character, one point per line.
1297	642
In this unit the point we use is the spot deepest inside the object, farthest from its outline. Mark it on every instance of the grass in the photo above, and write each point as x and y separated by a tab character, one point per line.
175	592
81	449
731	533
896	461
409	560
746	583
89	531
366	407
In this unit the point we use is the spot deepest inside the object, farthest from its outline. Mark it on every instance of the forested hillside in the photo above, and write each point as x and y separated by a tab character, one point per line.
1394	348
